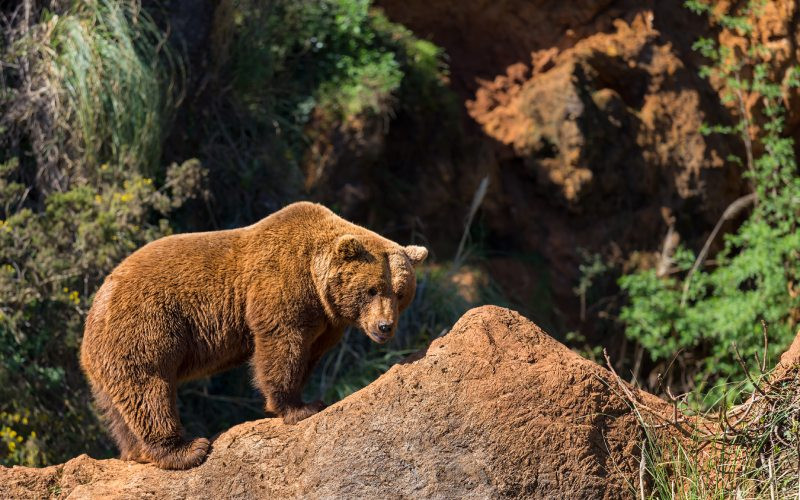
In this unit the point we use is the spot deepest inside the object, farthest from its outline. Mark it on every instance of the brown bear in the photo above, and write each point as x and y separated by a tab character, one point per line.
279	293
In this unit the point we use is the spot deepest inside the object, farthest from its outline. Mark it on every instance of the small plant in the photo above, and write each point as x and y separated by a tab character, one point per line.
20	442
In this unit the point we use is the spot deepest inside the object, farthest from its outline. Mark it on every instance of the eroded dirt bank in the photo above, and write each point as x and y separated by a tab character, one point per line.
494	408
586	115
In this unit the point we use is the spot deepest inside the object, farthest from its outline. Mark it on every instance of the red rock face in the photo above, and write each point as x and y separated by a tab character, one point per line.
588	114
496	407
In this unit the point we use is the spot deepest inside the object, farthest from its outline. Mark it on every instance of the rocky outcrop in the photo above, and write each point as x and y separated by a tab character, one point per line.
589	113
494	408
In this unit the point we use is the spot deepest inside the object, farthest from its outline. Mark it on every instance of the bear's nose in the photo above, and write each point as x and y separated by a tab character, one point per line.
384	327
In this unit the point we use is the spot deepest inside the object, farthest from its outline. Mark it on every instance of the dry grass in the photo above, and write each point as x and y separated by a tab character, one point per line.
750	450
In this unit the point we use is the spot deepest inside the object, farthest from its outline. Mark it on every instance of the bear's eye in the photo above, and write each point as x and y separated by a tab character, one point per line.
373	291
400	296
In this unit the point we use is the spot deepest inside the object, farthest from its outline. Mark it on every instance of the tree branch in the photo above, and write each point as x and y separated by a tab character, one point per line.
733	209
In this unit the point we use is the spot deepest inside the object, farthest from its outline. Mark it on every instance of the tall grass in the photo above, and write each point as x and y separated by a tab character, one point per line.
110	81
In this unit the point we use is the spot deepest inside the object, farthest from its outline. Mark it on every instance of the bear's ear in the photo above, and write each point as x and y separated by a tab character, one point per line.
416	254
348	247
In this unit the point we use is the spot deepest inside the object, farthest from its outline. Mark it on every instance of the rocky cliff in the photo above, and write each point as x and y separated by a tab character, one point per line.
585	115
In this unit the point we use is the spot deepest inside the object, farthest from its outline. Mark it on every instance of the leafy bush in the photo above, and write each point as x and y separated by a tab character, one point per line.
286	74
707	310
85	107
51	262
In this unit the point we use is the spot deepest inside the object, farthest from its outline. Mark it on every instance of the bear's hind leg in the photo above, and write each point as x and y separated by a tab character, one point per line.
152	416
128	444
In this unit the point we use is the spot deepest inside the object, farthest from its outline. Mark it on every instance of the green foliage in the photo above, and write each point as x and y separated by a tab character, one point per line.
757	270
287	58
738	21
86	100
286	75
51	262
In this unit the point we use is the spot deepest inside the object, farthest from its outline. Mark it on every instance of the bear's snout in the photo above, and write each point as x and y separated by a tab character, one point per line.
380	331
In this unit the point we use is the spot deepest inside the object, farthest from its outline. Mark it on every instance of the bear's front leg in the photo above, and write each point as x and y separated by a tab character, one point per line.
280	360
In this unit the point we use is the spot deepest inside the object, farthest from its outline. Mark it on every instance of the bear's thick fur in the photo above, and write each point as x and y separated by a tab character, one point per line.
279	292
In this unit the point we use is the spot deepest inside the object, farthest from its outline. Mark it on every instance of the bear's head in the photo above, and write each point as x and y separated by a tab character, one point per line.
370	281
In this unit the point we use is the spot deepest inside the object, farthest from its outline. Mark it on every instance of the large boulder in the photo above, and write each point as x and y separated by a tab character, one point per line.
494	408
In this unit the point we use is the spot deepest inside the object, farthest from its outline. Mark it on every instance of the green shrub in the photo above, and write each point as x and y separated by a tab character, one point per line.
287	58
51	262
287	75
703	311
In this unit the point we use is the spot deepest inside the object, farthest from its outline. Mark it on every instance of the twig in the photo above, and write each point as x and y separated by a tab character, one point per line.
639	405
746	371
748	142
642	468
637	365
771	478
764	357
477	199
667	251
674	401
733	209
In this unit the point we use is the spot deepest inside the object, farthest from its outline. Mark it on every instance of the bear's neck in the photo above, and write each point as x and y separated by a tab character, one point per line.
320	266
